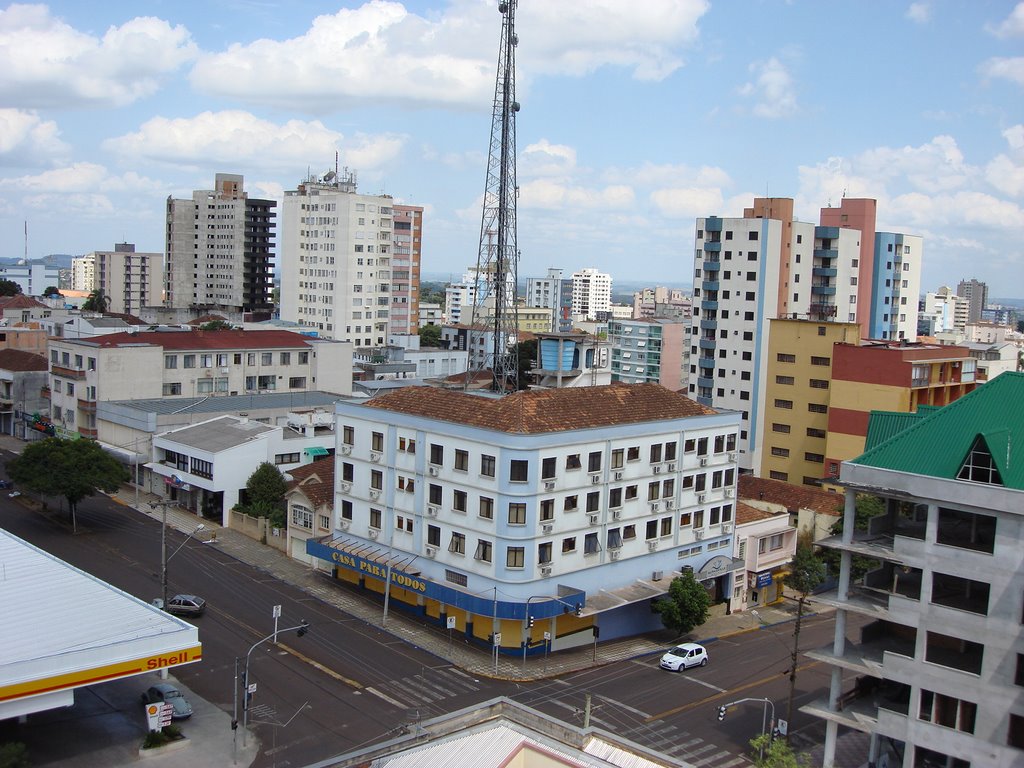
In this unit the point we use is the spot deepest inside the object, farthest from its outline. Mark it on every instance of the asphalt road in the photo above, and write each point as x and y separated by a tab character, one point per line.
346	684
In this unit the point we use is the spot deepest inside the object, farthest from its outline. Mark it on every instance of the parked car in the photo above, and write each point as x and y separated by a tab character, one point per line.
4	484
183	605
164	692
685	656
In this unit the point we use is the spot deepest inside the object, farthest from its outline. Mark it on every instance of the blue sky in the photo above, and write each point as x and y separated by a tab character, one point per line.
637	117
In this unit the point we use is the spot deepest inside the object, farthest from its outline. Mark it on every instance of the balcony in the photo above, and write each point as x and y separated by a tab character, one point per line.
712	266
706	362
860	707
868	657
706	343
708	325
709	305
44	392
712	224
710	285
707	383
822	310
87	406
826	253
67	373
824	271
712	247
823	290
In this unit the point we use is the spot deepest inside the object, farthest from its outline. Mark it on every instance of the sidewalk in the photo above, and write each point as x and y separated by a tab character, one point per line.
460	653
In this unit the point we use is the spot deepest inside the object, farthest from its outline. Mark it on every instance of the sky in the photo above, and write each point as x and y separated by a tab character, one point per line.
636	118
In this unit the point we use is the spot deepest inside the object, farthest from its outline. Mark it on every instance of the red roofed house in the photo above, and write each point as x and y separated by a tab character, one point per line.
310	498
766	542
809	509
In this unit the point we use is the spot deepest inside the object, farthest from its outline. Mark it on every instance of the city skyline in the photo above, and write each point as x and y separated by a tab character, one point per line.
635	121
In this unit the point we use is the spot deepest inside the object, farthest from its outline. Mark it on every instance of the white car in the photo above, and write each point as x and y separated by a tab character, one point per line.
685	656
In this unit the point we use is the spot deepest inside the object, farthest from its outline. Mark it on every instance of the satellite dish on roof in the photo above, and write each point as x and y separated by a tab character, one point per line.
329	176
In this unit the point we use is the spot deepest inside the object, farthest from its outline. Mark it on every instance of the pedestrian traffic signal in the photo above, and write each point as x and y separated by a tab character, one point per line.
721	713
529	621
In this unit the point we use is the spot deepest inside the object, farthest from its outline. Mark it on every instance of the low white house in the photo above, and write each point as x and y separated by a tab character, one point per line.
205	466
766	542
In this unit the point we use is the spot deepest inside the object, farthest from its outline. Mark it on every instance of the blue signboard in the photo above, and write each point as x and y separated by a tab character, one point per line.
764	578
477	604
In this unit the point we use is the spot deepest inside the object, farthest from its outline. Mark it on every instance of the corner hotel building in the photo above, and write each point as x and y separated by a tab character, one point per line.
571	507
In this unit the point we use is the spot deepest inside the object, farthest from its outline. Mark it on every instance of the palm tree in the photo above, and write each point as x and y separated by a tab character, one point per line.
96	302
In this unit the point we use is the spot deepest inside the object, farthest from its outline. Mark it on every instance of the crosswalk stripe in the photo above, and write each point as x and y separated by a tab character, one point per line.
386	698
712	758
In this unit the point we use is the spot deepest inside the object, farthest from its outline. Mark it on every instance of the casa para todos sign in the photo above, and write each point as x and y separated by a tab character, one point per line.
398	578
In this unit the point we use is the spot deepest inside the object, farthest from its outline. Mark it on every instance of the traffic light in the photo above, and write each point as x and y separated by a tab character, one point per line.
303	629
529	621
579	609
721	713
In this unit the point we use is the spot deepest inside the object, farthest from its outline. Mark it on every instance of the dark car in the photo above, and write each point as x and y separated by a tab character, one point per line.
186	605
180	708
4	484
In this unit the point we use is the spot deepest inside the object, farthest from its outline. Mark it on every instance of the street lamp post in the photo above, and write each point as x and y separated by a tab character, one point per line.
164	557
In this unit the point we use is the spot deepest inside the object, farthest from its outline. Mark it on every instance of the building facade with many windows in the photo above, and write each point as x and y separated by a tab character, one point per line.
939	667
572	506
406	249
591	294
129	280
648	351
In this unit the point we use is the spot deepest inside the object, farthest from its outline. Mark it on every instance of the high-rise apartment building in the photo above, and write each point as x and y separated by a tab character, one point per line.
554	293
591	294
219	250
337	270
405	268
128	279
976	292
897	286
648	351
943	312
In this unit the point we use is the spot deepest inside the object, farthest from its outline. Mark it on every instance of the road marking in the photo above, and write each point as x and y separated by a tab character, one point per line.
317	665
626	707
386	698
752	684
713	758
707	685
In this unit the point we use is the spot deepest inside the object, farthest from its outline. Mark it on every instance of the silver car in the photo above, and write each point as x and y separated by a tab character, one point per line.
685	656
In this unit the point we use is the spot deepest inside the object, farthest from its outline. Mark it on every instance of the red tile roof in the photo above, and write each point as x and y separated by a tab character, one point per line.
789	495
19	301
188	340
748	514
315	480
20	360
545	410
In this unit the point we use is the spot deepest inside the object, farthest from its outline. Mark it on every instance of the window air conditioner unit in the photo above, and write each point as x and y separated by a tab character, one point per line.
732	457
701	497
657	575
729	493
703	461
616	514
547	527
657	470
618	475
545	570
655	506
595	479
374	533
613	554
671	467
651	546
343	525
593	519
346	450
432	511
432	471
549	485
431	551
346	487
726	527
375	457
698	534
374	495
670	504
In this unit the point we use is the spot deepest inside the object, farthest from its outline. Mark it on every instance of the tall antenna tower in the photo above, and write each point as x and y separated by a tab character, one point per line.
498	256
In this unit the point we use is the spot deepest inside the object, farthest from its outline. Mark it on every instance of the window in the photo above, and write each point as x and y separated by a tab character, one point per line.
457	544
702	446
170	361
548	468
483	551
954	652
787	404
666	526
486	507
406	445
615	498
784	476
188	361
668	488
287	458
784	358
403	523
572	461
651	531
461	460
295	382
266	358
544	552
817	408
375	518
594	461
547	509
783	452
435	495
515	557
614	538
570	504
960	593
487	465
459	501
690	446
377	442
172	388
346	510
816	458
618	456
324	522
966	530
519	471
433	536
813	432
348	435
590	544
670	451
569	544
784	379
302	517
685	519
653	491
376	479
437	454
593	501
633	453
820	361
656	453
517	513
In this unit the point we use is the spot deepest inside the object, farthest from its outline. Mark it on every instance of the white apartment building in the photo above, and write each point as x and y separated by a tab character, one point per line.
591	294
554	293
129	280
594	497
34	277
183	364
337	268
460	298
945	312
938	671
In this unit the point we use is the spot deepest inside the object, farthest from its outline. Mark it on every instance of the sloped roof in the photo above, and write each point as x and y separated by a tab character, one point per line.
128	318
19	301
936	443
20	360
315	480
748	514
789	495
189	340
545	410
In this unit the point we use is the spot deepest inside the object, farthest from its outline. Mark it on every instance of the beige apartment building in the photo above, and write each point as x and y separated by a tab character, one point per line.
170	364
129	280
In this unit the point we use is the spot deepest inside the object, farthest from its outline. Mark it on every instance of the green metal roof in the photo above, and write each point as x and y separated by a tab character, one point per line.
936	442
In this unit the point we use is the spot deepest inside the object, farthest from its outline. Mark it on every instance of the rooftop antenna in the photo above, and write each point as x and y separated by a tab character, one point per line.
497	263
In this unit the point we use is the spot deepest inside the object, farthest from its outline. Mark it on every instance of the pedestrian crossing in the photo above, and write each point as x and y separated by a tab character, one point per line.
429	687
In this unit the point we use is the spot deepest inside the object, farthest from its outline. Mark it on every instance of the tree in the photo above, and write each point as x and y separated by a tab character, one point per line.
216	325
52	290
264	494
686	606
9	288
776	754
74	469
1020	326
806	572
430	336
97	302
526	352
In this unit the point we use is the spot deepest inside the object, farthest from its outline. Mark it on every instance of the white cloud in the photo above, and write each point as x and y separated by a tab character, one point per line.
552	195
1011	69
81	177
380	52
919	13
676	175
687	203
47	63
1012	25
235	137
26	139
772	89
543	158
1005	172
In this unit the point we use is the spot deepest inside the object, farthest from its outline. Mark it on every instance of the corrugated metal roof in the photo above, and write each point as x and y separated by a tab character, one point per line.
217	434
230	403
936	443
